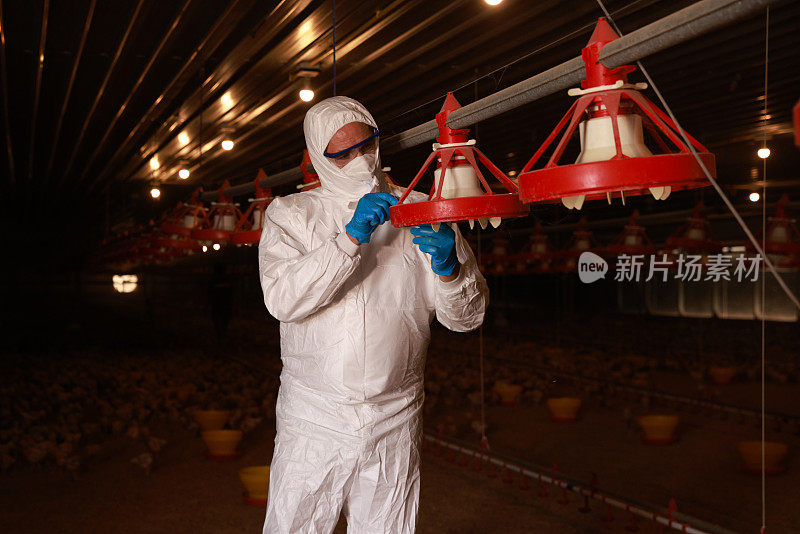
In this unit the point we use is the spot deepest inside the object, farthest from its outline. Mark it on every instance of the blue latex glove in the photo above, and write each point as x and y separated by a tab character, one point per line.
372	211
440	245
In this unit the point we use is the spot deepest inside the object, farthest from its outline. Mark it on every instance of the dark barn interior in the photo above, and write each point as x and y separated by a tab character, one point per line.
115	116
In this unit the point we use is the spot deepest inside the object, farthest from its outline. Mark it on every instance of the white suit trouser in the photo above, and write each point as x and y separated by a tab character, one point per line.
316	471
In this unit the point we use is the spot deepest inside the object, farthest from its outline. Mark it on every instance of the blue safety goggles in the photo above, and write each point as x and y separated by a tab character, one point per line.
372	139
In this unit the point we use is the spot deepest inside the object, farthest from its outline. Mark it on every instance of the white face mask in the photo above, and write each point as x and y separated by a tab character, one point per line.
362	168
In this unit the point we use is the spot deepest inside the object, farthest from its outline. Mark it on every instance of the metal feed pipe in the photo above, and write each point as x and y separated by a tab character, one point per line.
685	24
674	520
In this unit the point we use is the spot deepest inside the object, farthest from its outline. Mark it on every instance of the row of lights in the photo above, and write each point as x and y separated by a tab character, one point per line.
305	72
762	153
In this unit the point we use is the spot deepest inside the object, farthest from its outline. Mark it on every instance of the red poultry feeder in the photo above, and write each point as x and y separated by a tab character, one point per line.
796	113
694	236
310	179
610	115
220	221
459	192
582	241
783	238
248	229
538	255
179	225
497	261
633	240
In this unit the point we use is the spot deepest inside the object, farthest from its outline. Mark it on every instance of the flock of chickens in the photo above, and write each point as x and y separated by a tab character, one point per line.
60	411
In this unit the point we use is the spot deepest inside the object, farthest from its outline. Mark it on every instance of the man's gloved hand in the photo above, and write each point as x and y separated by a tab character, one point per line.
372	210
440	245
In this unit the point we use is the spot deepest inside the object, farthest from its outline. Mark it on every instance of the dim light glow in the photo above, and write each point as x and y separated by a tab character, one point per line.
227	100
155	192
227	144
216	246
763	153
183	138
306	95
183	174
512	173
754	197
125	283
493	2
154	164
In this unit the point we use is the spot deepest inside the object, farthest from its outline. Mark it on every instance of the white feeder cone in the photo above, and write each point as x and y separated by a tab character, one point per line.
495	221
697	234
256	219
471	224
435	226
189	220
779	234
633	240
597	138
482	222
459	181
597	144
225	222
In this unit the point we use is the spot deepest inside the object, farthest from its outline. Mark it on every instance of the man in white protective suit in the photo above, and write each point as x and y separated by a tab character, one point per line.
355	298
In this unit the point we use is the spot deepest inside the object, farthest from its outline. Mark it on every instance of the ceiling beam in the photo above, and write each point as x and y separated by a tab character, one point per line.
132	91
37	88
87	24
101	90
213	38
4	84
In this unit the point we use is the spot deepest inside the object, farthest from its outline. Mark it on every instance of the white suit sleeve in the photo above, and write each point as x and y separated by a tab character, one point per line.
297	282
461	303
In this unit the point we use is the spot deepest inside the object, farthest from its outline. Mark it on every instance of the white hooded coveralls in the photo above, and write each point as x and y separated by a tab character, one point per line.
355	326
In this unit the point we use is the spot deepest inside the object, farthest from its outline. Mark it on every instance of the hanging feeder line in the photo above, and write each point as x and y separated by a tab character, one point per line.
653	393
683	25
552	477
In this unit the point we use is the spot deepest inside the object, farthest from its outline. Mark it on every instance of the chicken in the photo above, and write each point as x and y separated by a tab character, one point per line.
145	461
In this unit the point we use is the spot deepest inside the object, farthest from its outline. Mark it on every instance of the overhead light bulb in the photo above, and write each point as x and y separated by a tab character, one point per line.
183	174
306	95
305	72
205	248
183	138
493	2
155	192
754	197
154	164
216	246
763	153
227	144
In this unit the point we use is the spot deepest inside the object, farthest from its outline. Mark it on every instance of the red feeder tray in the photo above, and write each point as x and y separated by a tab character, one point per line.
498	261
783	238
537	256
184	219
582	241
454	152
610	114
220	220
633	240
248	229
310	179
694	236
